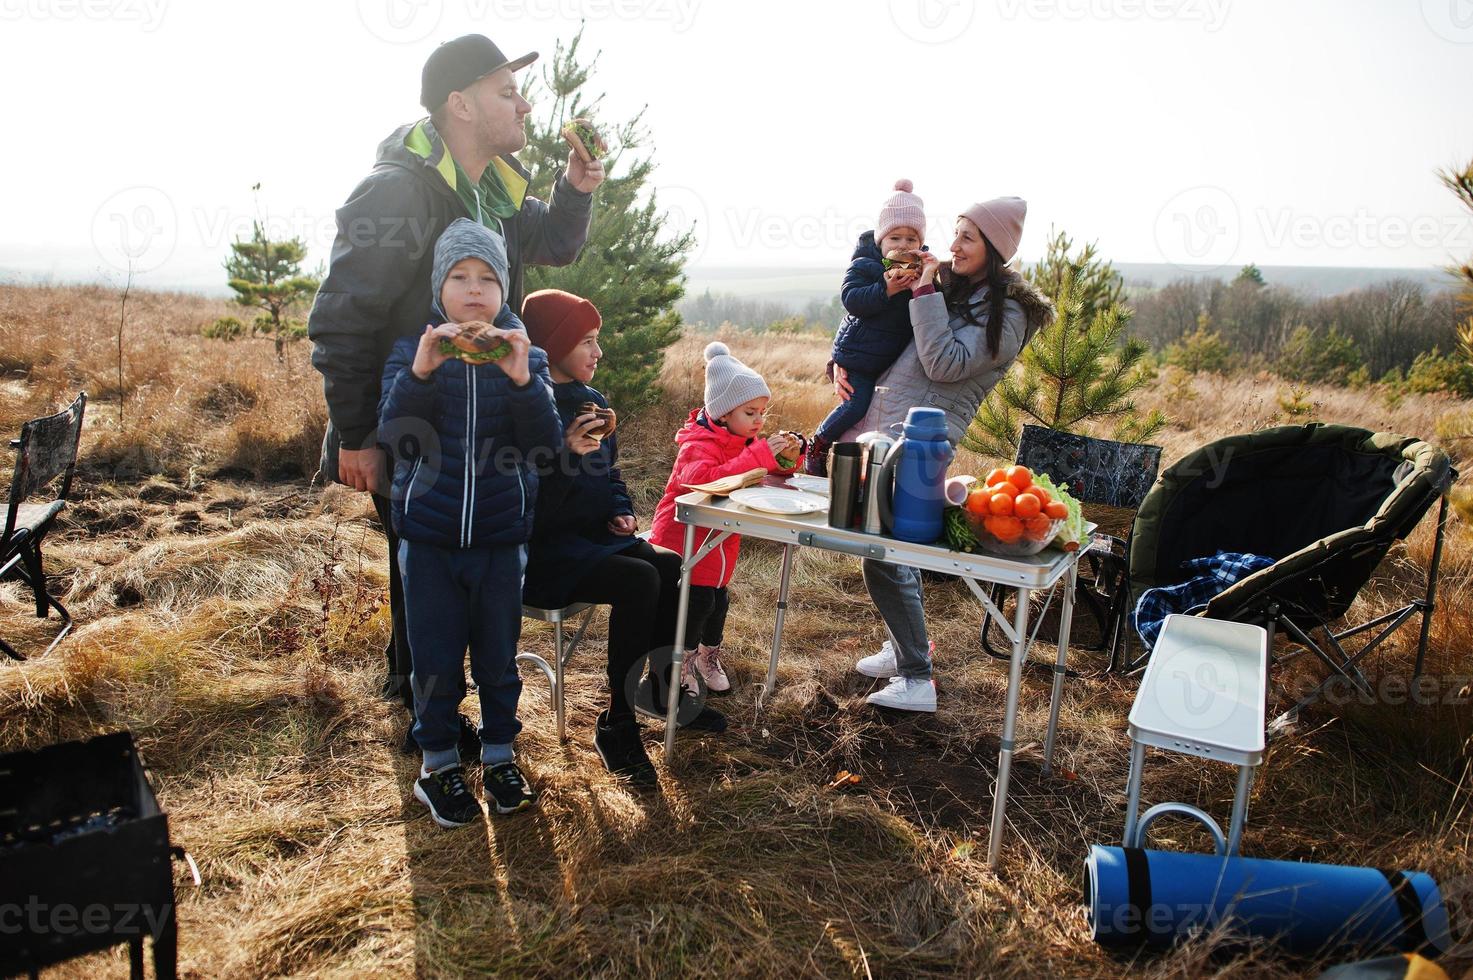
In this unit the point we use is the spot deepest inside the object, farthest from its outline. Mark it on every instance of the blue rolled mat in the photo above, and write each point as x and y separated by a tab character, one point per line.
1136	896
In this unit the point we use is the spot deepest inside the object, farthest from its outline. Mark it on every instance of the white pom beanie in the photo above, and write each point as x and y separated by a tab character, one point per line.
729	382
902	210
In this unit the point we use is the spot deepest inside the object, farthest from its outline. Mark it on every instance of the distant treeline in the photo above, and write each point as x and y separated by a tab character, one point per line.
1374	333
709	311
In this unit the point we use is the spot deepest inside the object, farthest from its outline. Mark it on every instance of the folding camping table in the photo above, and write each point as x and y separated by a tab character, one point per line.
1025	575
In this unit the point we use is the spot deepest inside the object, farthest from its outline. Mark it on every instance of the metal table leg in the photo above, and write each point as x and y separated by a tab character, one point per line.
1066	624
1133	792
1009	722
1240	808
777	628
682	610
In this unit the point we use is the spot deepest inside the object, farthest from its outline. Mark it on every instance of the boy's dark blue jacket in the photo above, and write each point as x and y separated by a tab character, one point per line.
878	326
464	444
577	497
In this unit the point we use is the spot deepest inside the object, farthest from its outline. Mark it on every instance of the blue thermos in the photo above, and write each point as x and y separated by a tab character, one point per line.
915	475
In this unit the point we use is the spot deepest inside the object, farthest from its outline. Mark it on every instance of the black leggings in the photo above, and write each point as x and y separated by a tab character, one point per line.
705	619
642	586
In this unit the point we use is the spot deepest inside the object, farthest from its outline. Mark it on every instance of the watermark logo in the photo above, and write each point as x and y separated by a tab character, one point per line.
136	229
401	21
1451	20
148	14
1199	228
933	21
1199	694
684	211
1210	13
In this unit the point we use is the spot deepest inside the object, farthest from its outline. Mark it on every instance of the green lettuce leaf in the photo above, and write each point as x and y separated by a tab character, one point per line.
1073	530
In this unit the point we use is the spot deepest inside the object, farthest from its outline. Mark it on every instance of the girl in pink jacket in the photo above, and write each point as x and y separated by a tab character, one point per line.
721	438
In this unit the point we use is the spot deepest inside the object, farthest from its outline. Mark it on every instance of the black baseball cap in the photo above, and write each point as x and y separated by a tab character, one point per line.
456	64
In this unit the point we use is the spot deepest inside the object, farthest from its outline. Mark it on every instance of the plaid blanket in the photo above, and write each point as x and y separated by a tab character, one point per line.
1215	575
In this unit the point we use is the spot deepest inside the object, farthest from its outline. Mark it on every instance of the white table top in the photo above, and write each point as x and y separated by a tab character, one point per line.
1203	690
812	530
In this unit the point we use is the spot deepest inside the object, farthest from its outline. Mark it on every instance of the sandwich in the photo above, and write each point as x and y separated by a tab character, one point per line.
476	344
796	441
608	420
584	139
904	259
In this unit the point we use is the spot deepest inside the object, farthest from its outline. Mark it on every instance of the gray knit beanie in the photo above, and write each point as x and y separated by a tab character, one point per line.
467	239
729	382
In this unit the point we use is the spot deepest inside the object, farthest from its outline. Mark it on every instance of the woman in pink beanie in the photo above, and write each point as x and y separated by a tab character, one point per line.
966	337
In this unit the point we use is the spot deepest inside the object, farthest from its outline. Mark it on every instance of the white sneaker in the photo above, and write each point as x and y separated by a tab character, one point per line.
707	660
906	694
882	664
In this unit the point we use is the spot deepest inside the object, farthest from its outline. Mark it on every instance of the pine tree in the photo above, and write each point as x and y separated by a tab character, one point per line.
1252	274
1096	283
1076	373
632	272
267	275
1461	184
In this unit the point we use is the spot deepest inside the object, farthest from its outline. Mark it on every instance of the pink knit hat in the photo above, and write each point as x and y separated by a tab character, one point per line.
902	210
1001	220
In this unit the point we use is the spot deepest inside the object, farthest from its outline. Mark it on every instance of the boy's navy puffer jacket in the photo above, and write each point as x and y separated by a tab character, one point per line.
466	445
877	328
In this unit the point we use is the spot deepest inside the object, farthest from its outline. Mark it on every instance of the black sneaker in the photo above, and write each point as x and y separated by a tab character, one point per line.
692	711
450	801
507	789
468	742
622	751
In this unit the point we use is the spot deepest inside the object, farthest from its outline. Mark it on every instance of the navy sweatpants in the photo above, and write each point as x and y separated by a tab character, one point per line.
456	598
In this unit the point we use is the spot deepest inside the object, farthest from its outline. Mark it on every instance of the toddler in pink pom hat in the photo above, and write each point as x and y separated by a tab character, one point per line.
876	297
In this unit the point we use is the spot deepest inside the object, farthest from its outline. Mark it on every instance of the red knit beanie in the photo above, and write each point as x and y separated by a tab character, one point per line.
557	321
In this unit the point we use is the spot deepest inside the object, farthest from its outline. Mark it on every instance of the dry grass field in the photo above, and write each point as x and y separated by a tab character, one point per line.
232	616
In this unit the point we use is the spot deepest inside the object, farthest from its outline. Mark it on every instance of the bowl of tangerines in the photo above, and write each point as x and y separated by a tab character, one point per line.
1015	513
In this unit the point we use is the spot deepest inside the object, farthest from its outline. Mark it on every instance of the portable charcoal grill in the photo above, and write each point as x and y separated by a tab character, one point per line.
85	855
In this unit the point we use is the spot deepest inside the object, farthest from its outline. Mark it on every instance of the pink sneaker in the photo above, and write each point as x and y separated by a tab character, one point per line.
707	660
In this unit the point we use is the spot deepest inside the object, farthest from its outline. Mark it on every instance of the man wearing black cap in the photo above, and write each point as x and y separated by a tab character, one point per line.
458	163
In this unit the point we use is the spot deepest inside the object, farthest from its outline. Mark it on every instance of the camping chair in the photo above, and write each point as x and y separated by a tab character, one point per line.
562	652
1110	479
46	449
1351	494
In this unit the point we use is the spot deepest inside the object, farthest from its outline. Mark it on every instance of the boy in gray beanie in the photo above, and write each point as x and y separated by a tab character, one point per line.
464	438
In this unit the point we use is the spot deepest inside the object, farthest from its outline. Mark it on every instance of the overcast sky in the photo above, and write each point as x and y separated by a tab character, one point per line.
1198	132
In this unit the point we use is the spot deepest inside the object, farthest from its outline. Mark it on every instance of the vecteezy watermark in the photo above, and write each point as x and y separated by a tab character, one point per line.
1451	20
1210	13
38	918
1199	228
684	210
411	21
1362	229
136	229
933	21
148	14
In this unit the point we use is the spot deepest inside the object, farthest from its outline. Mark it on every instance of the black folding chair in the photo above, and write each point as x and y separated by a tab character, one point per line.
46	449
1354	493
1110	479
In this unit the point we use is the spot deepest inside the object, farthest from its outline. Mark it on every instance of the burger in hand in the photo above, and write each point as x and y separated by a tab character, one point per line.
607	419
584	139
796	447
477	343
906	261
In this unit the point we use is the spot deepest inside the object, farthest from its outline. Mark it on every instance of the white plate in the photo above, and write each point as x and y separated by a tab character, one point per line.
774	500
809	484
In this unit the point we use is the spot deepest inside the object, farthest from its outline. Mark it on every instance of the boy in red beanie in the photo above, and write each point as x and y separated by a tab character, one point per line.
583	545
